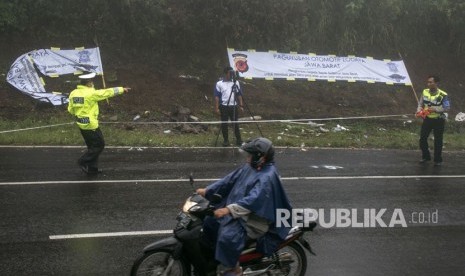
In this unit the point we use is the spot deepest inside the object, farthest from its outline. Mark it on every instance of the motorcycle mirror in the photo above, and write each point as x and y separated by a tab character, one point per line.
191	181
216	198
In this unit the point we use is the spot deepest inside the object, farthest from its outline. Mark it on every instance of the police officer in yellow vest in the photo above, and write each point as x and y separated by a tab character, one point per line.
432	107
83	104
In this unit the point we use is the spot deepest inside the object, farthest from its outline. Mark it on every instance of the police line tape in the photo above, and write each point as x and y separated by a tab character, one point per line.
220	122
32	128
264	121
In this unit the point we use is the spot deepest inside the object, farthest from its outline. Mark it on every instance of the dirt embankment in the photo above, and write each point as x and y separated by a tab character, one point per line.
279	99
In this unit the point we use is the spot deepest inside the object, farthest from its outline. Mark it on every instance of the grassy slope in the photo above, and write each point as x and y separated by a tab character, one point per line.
362	134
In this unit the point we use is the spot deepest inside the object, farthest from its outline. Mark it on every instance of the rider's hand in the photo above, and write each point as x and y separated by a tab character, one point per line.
217	111
201	192
221	212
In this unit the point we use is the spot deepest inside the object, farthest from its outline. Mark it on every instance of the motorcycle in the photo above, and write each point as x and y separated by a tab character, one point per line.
183	254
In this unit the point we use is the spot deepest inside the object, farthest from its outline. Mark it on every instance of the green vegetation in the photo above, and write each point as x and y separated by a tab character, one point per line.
183	33
393	134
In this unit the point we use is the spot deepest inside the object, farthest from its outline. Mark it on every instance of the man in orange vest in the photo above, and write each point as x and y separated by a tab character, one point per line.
432	107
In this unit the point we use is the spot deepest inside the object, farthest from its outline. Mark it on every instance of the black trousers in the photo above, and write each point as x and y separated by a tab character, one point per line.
437	126
230	113
95	145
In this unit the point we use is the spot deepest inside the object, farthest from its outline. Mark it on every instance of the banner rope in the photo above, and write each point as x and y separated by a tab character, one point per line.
32	128
220	122
260	121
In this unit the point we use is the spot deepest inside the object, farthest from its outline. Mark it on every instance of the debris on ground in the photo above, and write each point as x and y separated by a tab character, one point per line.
137	117
407	122
129	127
252	118
460	117
291	135
339	128
193	118
322	129
189	77
183	115
186	128
313	124
180	114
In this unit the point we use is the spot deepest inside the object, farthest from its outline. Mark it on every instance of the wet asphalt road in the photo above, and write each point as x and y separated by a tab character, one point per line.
51	202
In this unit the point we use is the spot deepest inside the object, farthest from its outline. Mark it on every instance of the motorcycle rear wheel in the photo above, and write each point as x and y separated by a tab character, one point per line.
154	263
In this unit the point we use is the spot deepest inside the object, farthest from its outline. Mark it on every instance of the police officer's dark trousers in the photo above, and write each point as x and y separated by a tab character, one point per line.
230	112
436	125
95	145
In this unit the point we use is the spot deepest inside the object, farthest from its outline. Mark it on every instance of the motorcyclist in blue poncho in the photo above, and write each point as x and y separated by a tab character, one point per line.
251	195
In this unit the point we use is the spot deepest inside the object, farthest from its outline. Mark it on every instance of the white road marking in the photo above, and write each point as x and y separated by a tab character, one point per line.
167	232
141	147
178	180
110	234
372	177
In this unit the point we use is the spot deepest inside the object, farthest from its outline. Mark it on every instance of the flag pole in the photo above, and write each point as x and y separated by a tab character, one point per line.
100	59
101	65
411	85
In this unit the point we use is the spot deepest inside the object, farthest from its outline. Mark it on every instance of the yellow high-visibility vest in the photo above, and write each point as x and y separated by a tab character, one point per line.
83	104
433	100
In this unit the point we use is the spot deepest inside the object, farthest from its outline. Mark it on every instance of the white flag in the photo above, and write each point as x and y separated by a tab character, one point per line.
24	77
62	62
53	63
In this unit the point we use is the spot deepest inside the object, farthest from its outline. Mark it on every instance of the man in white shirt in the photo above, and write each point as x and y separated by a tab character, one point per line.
228	96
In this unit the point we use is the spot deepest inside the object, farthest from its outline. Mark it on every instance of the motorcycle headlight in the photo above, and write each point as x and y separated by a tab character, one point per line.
188	204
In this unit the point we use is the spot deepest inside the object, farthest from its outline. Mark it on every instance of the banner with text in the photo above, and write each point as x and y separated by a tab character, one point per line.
54	62
273	65
24	73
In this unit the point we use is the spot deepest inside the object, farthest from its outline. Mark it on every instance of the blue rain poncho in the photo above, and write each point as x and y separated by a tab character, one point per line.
259	191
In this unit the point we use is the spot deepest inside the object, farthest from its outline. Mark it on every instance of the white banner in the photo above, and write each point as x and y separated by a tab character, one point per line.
62	62
24	77
53	63
273	65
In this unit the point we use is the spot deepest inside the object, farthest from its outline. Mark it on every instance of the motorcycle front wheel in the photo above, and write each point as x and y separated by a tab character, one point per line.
159	262
298	265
